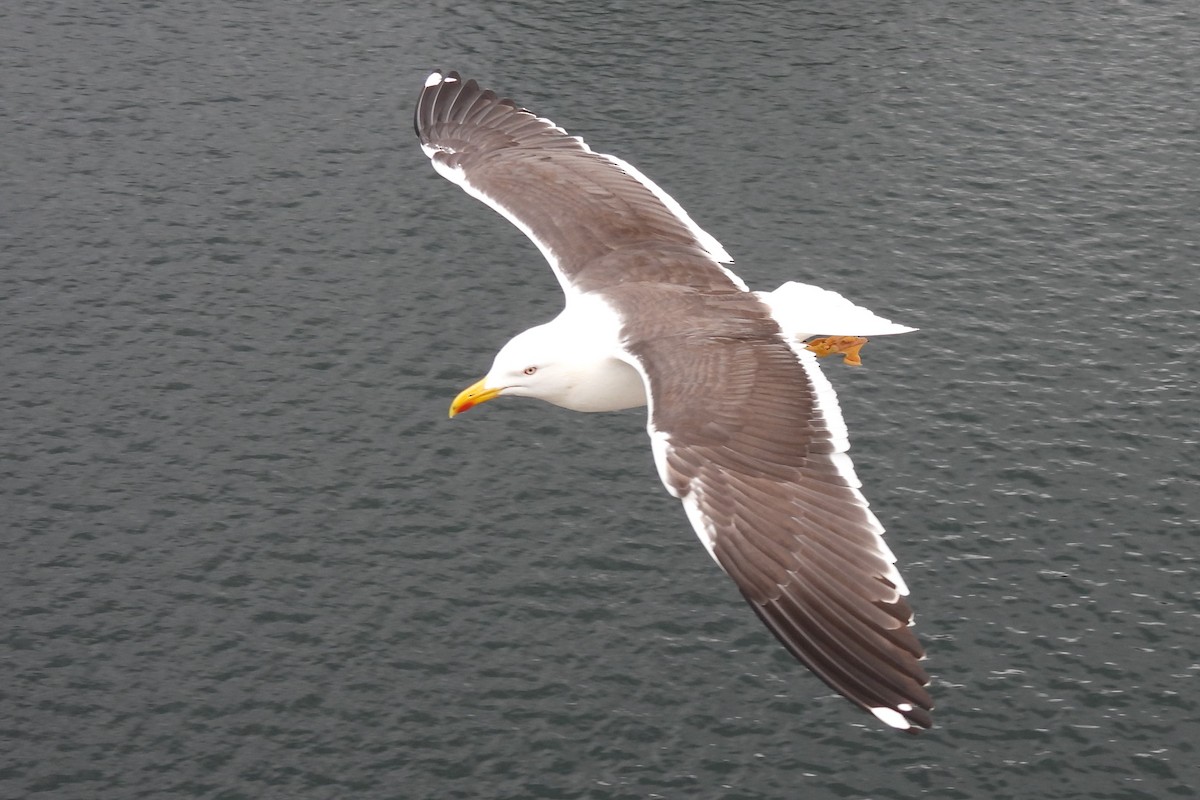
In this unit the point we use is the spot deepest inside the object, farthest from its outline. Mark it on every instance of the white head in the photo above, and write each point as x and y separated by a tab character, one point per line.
555	363
534	363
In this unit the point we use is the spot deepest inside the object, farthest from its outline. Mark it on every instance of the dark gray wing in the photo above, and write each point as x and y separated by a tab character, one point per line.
593	216
748	434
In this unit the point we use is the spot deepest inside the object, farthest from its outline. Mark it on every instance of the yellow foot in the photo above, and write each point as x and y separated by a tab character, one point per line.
848	346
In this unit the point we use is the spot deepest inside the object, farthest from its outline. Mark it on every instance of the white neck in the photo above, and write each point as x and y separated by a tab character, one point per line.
582	350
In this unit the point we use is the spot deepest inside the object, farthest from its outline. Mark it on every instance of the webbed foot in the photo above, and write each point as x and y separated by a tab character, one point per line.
848	346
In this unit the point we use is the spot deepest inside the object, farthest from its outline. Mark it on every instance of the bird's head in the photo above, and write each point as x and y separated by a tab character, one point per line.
532	364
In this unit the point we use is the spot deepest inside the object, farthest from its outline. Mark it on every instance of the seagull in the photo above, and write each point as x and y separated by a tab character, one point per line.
744	427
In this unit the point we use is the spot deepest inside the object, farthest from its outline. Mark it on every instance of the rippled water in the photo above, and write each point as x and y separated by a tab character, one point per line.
246	555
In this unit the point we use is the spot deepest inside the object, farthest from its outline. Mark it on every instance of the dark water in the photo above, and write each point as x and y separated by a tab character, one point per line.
245	555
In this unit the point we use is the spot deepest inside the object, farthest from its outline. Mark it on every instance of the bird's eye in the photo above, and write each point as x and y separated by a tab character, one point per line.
530	370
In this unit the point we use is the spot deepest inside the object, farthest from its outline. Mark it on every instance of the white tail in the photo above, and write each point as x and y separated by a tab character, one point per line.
803	310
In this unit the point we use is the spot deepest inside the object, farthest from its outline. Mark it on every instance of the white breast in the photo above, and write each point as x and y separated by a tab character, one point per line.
591	329
606	384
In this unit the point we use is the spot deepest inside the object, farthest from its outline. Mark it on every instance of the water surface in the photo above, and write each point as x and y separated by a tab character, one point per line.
246	555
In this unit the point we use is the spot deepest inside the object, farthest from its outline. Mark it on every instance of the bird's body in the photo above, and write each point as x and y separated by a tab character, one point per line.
744	428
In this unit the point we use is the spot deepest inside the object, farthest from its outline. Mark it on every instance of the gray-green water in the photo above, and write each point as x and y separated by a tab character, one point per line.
244	554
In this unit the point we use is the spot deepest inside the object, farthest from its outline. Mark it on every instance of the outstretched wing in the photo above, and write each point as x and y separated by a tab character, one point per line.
747	432
590	214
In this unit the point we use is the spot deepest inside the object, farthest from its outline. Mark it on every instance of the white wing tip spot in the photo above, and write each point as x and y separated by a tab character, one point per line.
892	717
434	79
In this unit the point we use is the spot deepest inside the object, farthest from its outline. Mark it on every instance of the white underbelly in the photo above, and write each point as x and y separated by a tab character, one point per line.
608	385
